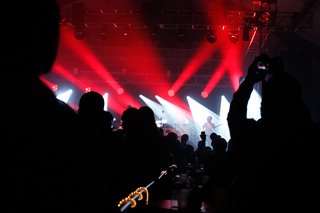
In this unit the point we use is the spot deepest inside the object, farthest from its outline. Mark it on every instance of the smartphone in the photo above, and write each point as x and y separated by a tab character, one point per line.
262	65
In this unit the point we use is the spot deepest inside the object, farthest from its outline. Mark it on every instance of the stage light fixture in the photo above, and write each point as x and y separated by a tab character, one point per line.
120	91
171	93
212	37
181	35
104	35
234	37
88	89
54	87
79	35
204	94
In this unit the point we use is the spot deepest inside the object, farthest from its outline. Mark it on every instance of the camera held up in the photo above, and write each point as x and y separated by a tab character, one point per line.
266	65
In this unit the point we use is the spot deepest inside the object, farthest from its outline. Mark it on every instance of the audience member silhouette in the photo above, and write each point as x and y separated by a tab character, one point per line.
278	153
139	150
159	151
91	108
175	149
212	159
189	153
184	140
50	160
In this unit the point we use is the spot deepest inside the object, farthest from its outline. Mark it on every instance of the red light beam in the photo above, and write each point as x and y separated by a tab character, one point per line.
57	68
203	54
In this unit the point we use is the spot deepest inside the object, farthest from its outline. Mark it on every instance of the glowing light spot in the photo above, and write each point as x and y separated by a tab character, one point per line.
120	91
65	96
171	93
88	89
105	98
204	94
54	88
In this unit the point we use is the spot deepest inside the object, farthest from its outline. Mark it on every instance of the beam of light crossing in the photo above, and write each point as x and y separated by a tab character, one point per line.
64	96
253	107
157	109
105	98
63	72
202	55
200	114
223	130
181	120
178	115
50	85
90	59
214	80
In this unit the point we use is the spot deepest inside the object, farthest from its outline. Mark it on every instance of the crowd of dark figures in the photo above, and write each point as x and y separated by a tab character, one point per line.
56	160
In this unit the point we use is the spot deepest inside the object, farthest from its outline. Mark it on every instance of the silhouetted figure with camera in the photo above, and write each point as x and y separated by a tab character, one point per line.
277	154
49	158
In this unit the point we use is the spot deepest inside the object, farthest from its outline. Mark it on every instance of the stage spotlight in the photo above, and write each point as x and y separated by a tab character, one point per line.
212	37
181	35
245	34
88	89
204	94
120	91
79	35
104	35
171	93
234	37
65	96
54	88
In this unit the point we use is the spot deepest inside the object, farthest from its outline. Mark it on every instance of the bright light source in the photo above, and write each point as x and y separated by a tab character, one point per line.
54	88
120	91
105	98
224	110
88	89
204	94
254	104
65	96
171	93
180	120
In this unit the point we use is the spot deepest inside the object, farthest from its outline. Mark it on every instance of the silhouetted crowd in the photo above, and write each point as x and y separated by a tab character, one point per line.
56	160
